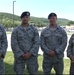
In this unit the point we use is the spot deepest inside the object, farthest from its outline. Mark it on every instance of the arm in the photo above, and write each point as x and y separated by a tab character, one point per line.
35	47
62	47
4	43
69	49
14	44
44	48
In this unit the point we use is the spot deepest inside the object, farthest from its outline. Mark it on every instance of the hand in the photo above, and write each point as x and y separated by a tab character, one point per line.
72	61
26	56
52	53
72	58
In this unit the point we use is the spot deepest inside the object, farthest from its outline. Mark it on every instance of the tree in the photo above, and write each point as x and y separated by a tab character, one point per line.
70	22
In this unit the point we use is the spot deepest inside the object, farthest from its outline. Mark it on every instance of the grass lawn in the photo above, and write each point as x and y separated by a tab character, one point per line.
9	64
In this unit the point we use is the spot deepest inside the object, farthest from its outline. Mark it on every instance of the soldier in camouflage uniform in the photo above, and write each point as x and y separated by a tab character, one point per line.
25	45
70	54
3	48
53	42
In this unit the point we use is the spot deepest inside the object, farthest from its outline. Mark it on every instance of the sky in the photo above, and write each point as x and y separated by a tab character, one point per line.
40	8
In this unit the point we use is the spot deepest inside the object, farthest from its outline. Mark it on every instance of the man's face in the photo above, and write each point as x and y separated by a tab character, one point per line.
25	19
52	20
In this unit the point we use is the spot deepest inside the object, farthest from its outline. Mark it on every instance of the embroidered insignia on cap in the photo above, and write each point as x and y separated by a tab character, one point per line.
52	14
27	13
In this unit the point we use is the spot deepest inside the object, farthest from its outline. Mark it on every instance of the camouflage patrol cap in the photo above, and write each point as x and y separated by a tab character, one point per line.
51	15
26	13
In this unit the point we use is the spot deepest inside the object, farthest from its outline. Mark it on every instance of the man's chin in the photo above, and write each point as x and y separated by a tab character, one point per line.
25	23
53	24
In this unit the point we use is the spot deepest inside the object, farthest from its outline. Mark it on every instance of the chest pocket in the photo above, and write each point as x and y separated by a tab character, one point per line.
58	37
20	36
48	37
31	34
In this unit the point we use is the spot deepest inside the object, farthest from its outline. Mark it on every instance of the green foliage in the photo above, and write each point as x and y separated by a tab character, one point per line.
70	22
62	21
6	19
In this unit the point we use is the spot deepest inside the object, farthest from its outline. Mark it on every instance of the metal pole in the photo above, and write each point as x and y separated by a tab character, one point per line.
13	12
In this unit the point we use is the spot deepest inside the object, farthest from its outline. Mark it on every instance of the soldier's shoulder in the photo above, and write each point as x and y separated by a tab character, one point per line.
15	29
61	29
72	35
44	30
34	28
1	26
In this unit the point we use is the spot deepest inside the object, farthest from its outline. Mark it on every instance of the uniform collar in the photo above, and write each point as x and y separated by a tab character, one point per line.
57	27
22	27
